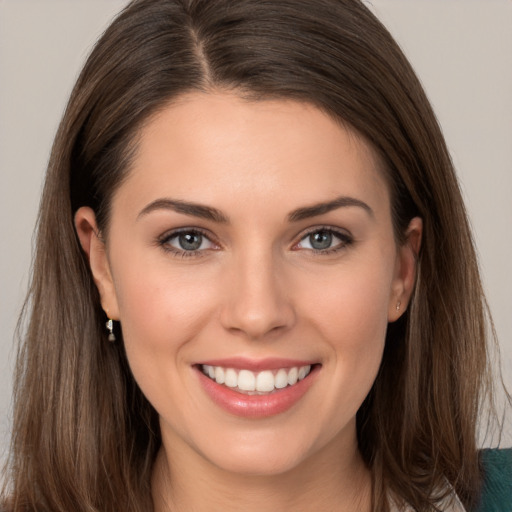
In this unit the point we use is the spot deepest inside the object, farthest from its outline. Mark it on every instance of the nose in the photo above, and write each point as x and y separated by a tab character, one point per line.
258	301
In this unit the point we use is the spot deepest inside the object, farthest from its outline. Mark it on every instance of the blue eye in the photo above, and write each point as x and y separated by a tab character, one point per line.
324	240
186	242
321	240
189	241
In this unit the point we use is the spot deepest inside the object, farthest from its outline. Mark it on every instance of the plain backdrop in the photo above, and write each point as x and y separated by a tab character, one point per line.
461	50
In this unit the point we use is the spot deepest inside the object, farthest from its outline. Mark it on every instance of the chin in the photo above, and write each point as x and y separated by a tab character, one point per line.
264	464
267	452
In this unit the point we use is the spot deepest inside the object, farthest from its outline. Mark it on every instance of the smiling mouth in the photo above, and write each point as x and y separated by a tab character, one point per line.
256	383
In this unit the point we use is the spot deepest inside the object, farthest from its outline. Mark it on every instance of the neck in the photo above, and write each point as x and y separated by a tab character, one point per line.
330	480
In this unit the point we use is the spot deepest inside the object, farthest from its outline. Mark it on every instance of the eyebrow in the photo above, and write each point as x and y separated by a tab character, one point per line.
322	208
212	214
187	208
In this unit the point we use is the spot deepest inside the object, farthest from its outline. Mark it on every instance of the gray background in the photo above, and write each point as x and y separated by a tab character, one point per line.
461	49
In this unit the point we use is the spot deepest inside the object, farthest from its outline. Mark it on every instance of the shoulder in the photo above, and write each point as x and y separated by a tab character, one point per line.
497	480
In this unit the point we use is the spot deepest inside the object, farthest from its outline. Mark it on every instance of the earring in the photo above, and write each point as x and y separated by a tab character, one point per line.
398	304
110	326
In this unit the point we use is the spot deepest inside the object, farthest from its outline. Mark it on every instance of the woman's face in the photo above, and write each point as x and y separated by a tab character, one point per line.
252	265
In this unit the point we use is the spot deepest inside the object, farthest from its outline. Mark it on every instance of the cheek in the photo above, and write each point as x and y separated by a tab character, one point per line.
351	307
161	314
351	317
160	311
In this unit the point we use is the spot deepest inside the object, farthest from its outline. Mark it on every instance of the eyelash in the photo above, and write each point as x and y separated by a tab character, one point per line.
346	240
164	241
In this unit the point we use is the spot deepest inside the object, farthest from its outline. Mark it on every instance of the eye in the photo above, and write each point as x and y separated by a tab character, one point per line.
187	242
324	240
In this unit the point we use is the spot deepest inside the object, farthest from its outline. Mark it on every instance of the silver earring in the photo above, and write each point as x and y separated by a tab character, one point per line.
398	304
110	327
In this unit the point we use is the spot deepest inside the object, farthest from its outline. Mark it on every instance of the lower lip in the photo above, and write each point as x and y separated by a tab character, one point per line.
256	406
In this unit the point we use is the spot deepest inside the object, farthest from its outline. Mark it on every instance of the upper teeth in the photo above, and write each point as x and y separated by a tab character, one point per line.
264	381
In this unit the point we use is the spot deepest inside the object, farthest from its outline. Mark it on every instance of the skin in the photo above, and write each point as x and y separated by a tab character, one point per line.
256	289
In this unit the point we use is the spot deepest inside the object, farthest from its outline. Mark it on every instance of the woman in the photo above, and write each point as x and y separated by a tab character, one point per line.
247	292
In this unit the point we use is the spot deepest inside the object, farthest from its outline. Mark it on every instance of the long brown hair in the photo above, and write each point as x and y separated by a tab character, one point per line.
84	436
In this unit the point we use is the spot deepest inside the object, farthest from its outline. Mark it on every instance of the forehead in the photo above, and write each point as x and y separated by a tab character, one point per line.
220	147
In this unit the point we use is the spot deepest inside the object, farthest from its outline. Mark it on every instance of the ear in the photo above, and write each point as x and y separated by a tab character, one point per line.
405	270
94	247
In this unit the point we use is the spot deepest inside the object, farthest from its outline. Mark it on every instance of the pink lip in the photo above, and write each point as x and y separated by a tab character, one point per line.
256	406
255	365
